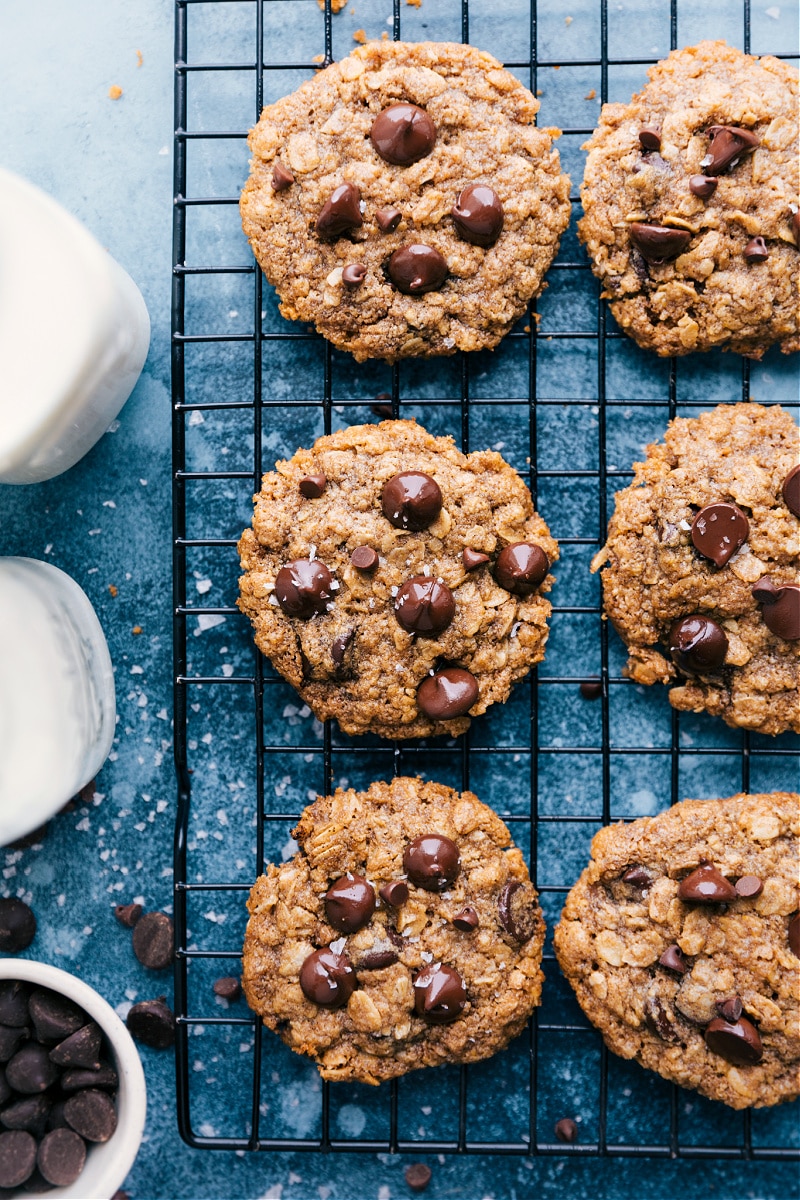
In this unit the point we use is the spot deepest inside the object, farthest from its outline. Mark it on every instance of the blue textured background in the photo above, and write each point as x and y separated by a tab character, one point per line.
107	522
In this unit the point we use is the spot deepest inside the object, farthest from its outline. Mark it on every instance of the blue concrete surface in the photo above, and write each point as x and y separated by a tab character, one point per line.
107	522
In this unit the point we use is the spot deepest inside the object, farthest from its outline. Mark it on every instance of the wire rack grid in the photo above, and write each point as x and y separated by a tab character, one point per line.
278	377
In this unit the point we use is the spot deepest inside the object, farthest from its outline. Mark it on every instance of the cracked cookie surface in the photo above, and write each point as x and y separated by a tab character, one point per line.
351	658
484	931
654	576
485	135
717	286
663	976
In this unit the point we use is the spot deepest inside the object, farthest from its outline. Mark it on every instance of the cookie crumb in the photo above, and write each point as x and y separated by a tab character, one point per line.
318	58
568	21
114	92
336	5
114	591
137	629
414	3
360	36
139	58
592	95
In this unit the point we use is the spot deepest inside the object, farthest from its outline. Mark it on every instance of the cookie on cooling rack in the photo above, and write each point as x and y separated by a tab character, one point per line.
682	942
700	573
404	202
396	582
404	933
690	198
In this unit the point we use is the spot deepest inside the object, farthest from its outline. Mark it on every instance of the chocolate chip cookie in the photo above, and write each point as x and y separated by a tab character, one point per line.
701	566
682	942
404	933
404	202
396	582
690	198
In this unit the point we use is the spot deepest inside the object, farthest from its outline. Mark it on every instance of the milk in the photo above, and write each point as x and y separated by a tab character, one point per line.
74	333
57	701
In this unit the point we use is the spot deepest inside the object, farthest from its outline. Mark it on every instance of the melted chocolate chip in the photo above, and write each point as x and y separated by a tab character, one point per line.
730	1009
794	935
718	531
415	269
658	243
432	862
795	226
478	215
402	134
791	491
341	212
364	558
411	500
229	987
756	251
424	606
17	925
706	885
449	693
394	893
388	219
312	486
153	1023
727	145
473	559
673	960
303	588
737	1043
749	886
282	177
702	186
521	567
765	591
517	910
327	978
650	137
638	877
61	1157
354	275
154	941
782	615
697	645
660	1021
439	994
376	960
340	645
128	914
467	920
566	1130
350	903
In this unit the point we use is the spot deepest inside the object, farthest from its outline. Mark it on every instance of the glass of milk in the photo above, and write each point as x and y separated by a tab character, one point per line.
57	701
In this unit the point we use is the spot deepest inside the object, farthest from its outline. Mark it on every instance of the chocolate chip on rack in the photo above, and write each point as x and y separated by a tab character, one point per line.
416	268
566	1130
749	886
128	914
388	219
17	925
152	1022
790	491
728	143
312	486
282	177
432	862
478	215
718	530
591	689
672	959
229	987
703	186
756	250
303	588
341	212
658	243
327	978
448	693
424	606
521	568
417	1176
439	994
472	559
706	885
350	903
402	134
697	645
411	500
154	941
737	1043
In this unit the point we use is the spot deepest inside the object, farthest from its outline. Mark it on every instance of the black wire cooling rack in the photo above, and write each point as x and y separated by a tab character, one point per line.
532	1092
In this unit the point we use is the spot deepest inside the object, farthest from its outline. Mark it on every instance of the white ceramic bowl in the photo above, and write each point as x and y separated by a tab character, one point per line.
107	1165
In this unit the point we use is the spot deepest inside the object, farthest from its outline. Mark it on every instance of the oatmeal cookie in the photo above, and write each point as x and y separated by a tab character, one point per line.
682	942
404	933
690	200
396	582
404	202
701	566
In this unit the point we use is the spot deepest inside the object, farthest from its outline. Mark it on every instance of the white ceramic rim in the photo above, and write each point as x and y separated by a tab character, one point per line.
107	1165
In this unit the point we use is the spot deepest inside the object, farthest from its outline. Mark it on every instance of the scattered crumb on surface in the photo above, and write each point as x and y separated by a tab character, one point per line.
539	91
384	36
139	58
112	589
336	5
318	58
114	92
415	3
590	95
567	21
137	629
360	36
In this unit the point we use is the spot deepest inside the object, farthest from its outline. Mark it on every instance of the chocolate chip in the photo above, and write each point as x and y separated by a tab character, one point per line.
673	960
467	920
730	1009
11	1038
518	911
791	491
13	1002
705	885
737	1042
282	177
566	1130
56	1118
364	558
17	1157
765	591
17	925
402	134
388	219
77	1078
341	212
432	862
81	1049
660	1021
152	1023
31	1113
327	978
591	689
478	215
5	1090
54	1017
650	137
794	935
448	694
702	186
303	588
354	275
61	1157
521	567
439	994
749	886
638	877
756	251
395	892
128	914
782	616
350	903
312	486
382	410
228	988
92	1114
376	960
424	606
728	143
473	558
415	269
697	645
417	1176
154	941
718	530
795	225
658	243
340	644
411	500
30	1070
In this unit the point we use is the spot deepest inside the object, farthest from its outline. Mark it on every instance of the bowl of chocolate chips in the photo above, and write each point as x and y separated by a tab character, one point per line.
72	1091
